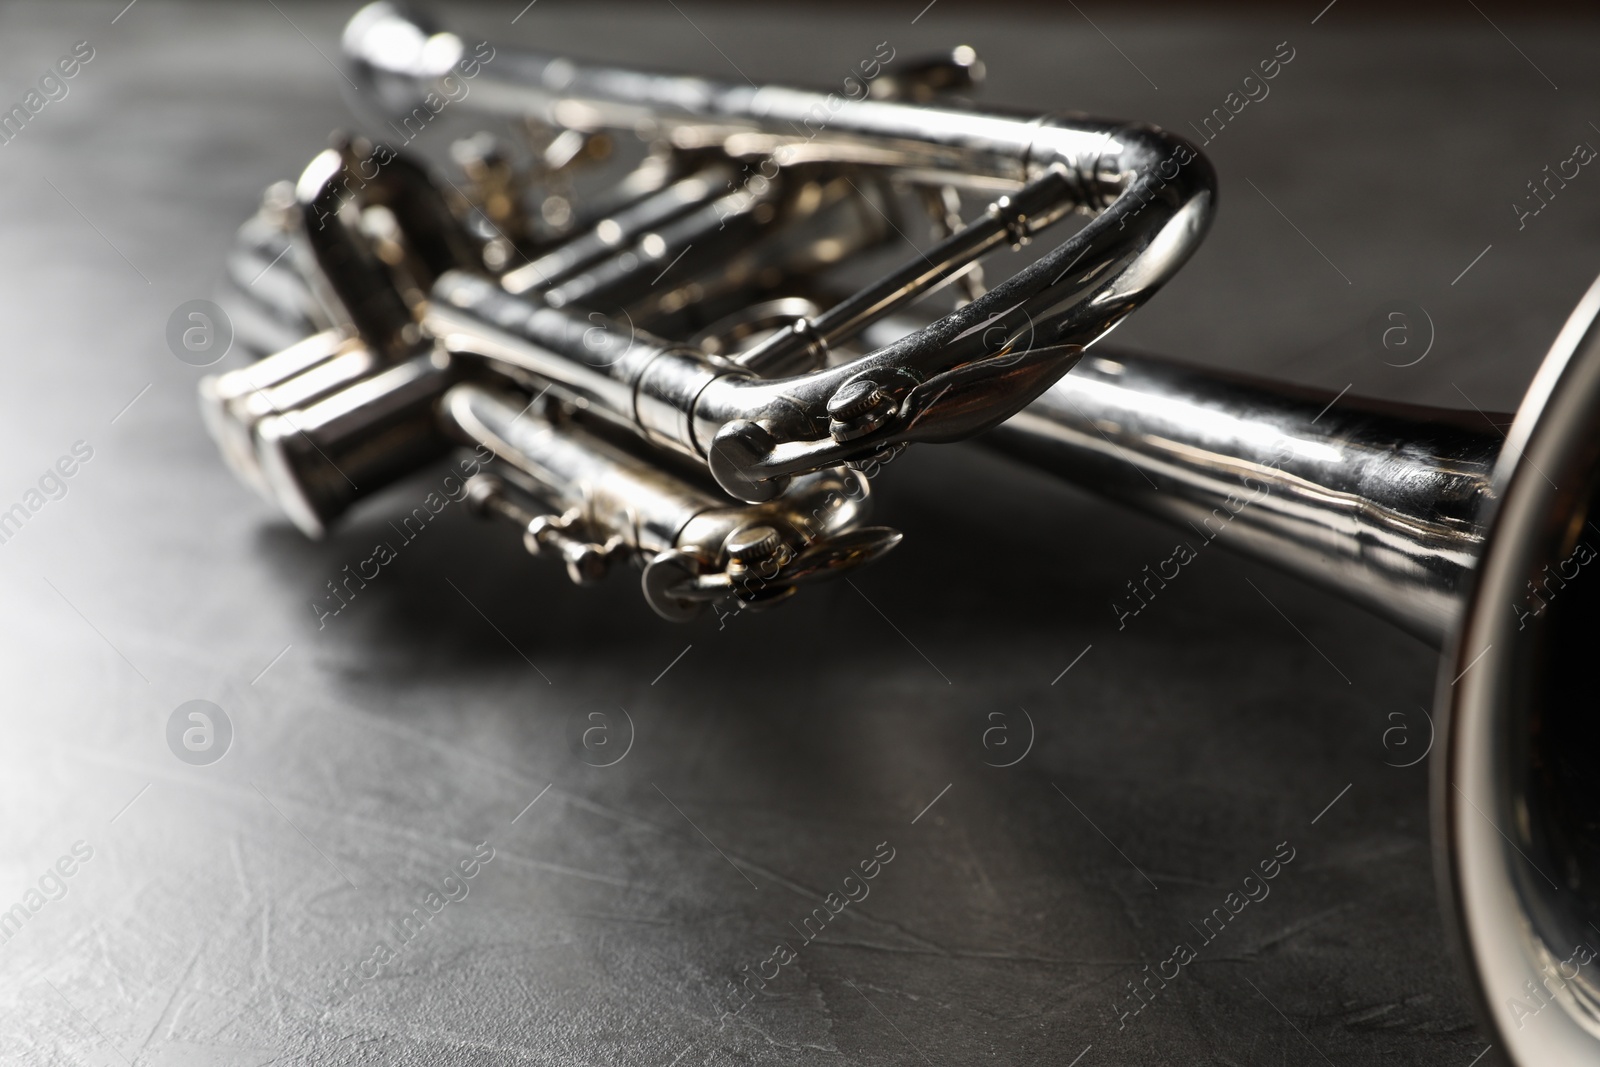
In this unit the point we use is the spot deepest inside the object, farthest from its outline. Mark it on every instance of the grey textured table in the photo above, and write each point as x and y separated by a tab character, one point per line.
230	913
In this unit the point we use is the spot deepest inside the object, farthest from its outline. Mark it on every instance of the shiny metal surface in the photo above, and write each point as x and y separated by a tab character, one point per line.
1515	796
1434	520
1383	503
424	295
1151	194
658	519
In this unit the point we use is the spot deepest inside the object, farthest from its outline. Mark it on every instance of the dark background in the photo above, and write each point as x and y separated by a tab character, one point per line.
223	904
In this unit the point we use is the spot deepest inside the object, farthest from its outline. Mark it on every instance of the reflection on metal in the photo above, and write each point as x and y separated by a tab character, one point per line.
1384	504
653	372
1472	541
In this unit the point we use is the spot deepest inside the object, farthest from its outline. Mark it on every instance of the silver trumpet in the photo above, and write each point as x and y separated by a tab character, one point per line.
665	372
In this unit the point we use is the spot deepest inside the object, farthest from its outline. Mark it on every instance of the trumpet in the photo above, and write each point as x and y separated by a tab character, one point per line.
672	373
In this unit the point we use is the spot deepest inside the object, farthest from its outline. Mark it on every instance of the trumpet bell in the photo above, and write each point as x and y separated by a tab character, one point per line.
1515	793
